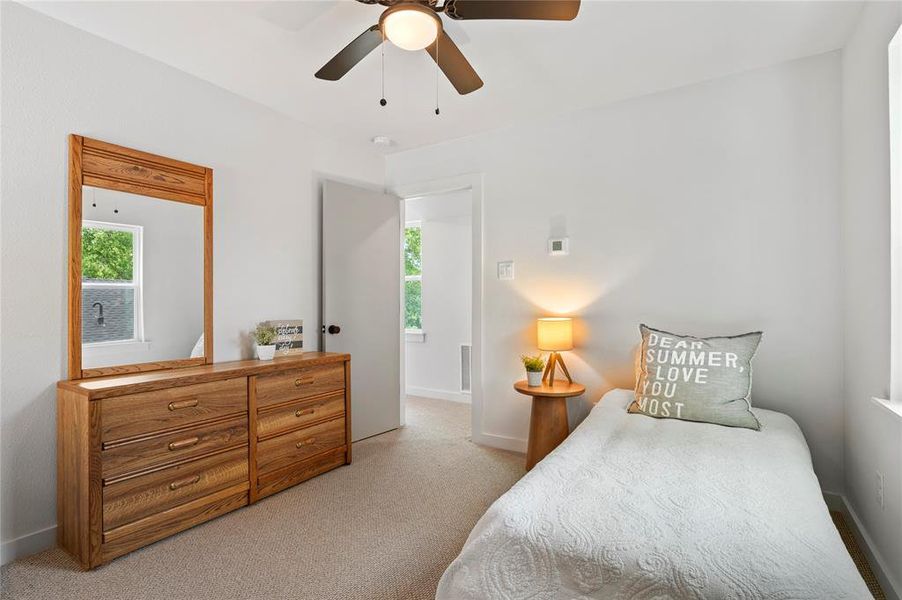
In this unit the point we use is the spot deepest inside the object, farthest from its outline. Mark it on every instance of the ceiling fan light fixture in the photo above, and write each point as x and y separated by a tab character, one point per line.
410	26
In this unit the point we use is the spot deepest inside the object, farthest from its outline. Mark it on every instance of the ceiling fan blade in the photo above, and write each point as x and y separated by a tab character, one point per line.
352	54
454	64
542	10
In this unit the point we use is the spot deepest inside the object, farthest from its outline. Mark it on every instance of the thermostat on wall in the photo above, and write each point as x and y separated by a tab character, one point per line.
559	246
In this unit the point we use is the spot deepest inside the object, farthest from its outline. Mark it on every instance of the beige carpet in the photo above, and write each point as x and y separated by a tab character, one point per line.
858	557
384	527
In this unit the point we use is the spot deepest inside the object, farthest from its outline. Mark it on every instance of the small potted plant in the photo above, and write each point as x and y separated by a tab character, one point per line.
534	367
265	337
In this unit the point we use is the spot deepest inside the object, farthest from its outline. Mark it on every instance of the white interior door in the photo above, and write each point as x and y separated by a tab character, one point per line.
362	299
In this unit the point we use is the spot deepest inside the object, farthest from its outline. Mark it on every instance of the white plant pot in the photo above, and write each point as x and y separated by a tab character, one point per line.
266	352
534	378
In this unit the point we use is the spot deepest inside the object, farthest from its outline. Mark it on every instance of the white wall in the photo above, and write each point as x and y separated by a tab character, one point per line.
708	209
712	208
172	269
433	366
57	80
872	433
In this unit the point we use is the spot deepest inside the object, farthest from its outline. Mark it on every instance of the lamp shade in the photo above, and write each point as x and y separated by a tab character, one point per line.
411	26
555	333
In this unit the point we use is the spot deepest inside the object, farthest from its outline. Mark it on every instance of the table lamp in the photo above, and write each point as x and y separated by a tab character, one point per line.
555	334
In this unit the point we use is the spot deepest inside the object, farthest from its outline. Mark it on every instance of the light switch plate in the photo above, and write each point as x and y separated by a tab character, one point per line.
506	269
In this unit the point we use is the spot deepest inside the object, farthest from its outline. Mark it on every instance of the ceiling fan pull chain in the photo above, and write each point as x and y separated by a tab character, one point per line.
436	75
383	101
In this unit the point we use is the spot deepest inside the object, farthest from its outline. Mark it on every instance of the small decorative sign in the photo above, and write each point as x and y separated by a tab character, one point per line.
289	336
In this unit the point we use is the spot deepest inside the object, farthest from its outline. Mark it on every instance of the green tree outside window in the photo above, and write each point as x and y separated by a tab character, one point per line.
413	305
413	263
413	285
107	255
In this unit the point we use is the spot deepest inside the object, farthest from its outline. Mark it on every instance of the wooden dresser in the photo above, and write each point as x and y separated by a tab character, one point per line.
143	456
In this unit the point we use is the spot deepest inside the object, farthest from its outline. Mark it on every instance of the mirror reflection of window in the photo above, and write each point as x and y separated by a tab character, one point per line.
142	279
111	282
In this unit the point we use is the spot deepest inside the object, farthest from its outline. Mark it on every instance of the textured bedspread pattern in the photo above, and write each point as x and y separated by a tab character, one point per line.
635	508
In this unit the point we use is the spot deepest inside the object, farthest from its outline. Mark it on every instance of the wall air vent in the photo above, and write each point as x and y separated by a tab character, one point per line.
466	351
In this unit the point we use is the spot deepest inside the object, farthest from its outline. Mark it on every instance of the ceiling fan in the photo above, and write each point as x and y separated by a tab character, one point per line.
417	25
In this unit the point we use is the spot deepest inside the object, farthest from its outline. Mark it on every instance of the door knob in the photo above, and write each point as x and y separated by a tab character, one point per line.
333	329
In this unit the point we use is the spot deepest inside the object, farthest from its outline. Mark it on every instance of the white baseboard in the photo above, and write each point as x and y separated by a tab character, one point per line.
838	502
501	442
27	545
438	394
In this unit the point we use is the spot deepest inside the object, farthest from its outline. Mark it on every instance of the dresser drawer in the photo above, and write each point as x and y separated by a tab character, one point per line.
144	453
141	414
132	499
157	526
275	481
289	448
299	414
299	383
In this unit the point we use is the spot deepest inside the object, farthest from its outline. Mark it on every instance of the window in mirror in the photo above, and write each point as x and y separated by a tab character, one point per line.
111	282
142	279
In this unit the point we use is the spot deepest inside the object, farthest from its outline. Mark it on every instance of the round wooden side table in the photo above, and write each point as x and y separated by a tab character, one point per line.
548	424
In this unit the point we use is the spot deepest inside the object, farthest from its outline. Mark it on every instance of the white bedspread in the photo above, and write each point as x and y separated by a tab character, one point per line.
632	507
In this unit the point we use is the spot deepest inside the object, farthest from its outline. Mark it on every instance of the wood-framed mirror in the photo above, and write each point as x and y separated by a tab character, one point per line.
140	261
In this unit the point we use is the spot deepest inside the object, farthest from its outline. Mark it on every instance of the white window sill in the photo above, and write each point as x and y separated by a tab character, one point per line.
414	336
113	348
893	407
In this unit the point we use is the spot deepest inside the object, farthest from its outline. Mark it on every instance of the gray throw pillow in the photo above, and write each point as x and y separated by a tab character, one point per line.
696	379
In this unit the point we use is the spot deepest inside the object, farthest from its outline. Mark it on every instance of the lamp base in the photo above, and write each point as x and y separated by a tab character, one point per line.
554	360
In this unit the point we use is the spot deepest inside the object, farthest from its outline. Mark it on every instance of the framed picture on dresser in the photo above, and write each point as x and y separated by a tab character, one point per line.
289	336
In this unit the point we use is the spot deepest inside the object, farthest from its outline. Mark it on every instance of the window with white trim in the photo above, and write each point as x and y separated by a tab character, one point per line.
413	278
111	295
895	121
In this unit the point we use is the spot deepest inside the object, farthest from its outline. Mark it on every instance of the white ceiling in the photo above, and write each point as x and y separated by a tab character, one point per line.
268	52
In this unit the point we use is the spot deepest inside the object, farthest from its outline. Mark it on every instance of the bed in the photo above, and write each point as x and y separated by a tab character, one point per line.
630	507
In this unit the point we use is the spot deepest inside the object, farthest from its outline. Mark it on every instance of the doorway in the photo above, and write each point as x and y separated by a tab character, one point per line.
364	312
438	296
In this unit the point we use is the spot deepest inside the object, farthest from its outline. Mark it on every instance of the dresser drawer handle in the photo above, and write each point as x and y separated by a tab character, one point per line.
303	413
186	443
183	482
306	442
303	381
183	404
